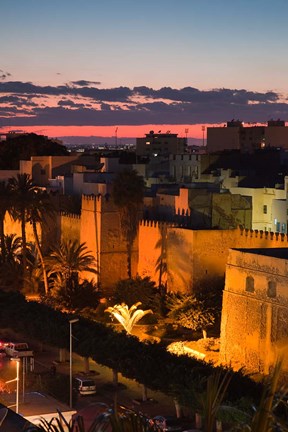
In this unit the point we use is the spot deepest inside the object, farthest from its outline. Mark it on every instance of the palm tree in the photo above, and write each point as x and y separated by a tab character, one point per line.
41	208
127	317
161	263
78	296
22	190
107	421
211	400
265	419
11	268
127	193
66	261
5	201
13	248
189	312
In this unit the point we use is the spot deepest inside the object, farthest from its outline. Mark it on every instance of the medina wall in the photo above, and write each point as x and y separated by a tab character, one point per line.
70	226
194	258
254	329
14	227
163	246
101	230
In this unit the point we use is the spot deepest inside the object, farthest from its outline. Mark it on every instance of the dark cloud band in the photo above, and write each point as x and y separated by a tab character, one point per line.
140	105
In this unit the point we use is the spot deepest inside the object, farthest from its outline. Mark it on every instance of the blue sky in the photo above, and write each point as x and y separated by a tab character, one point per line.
202	44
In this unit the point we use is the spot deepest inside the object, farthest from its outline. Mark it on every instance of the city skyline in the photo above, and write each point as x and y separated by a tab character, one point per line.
74	68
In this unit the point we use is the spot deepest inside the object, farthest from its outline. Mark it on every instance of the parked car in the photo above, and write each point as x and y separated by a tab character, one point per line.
18	349
85	386
2	349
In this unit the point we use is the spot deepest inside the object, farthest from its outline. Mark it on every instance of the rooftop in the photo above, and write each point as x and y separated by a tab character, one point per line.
281	253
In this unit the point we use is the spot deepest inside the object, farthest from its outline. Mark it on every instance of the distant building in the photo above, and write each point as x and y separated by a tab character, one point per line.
199	208
184	167
155	144
236	136
269	207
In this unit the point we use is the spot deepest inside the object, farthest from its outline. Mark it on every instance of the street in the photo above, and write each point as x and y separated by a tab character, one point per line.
129	392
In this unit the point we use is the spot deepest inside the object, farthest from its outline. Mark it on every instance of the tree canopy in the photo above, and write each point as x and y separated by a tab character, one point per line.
137	289
22	147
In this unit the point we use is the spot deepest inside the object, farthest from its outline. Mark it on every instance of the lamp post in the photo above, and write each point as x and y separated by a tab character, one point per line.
71	322
17	381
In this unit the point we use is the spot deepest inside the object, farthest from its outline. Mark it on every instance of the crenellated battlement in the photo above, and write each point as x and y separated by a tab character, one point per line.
92	197
70	215
158	224
265	235
98	203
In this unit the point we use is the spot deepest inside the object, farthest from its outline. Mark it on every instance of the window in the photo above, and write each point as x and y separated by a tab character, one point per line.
265	209
42	172
271	292
249	284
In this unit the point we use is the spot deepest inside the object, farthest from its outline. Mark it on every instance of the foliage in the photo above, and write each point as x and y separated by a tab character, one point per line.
127	194
13	247
66	261
128	317
11	262
161	263
187	311
41	207
211	399
130	291
265	418
75	296
126	422
5	205
22	191
147	363
210	293
22	147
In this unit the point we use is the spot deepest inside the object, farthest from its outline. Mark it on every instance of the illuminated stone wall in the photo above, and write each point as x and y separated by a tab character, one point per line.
194	257
14	227
163	243
254	328
100	229
70	227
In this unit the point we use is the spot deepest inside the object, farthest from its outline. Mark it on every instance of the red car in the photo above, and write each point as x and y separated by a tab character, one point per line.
2	349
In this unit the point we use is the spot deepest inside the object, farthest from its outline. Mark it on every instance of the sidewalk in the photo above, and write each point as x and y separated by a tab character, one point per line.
37	406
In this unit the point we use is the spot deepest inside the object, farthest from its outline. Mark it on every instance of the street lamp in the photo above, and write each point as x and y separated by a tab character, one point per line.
71	322
17	381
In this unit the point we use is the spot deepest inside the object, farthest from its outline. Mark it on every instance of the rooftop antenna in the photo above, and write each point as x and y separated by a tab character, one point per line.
203	137
186	133
116	136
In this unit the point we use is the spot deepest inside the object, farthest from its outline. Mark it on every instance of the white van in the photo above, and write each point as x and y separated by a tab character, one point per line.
85	386
18	349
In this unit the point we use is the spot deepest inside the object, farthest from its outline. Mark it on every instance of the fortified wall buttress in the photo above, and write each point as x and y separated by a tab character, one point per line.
101	230
255	311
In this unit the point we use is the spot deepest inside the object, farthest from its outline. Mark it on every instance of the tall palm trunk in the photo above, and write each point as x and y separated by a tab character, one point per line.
24	247
2	239
129	259
39	250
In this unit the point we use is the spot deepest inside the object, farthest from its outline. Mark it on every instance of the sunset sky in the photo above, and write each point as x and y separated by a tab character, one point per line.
89	67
